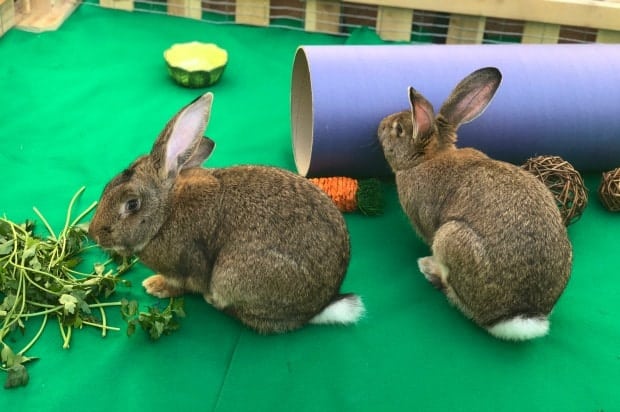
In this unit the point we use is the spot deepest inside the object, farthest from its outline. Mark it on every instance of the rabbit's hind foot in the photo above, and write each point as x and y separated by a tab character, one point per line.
161	286
433	271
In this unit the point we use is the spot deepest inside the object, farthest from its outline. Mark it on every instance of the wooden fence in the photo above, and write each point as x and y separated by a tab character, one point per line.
450	22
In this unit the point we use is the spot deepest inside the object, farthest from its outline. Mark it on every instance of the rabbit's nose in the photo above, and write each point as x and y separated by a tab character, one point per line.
95	231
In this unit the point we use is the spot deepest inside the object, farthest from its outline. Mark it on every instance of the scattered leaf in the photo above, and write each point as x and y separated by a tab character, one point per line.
17	376
69	302
6	247
155	322
7	356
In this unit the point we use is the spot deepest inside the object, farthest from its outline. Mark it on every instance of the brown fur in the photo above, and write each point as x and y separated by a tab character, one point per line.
260	243
500	249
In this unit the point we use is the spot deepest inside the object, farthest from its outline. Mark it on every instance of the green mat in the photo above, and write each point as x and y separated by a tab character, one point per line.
79	104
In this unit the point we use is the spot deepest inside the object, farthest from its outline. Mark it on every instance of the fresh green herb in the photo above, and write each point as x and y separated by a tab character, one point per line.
39	278
17	375
155	322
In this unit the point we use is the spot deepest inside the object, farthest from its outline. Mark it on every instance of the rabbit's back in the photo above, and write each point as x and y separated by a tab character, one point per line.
497	229
283	211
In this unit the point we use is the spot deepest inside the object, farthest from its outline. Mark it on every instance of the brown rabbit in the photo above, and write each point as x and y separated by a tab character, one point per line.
259	243
500	251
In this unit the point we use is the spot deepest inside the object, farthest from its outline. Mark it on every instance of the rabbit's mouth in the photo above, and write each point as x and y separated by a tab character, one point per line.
128	251
125	249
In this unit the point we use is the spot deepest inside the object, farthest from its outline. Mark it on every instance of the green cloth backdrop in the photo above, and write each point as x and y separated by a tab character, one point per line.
79	104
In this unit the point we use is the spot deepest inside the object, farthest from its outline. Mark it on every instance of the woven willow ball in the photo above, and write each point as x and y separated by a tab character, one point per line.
609	190
564	182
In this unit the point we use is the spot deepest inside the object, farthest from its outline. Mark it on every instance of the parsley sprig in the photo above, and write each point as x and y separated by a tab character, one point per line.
39	278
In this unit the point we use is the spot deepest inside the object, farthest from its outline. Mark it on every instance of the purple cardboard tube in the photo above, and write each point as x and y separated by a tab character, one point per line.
561	100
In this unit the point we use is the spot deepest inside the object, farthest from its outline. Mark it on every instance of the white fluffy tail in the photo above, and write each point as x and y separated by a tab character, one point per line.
346	310
520	328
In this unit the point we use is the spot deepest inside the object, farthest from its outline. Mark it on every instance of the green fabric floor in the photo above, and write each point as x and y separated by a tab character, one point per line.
79	104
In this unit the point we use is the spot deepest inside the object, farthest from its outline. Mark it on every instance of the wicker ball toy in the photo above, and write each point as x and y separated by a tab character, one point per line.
609	190
564	182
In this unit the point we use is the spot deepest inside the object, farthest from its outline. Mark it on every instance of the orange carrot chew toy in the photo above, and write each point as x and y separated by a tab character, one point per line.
350	194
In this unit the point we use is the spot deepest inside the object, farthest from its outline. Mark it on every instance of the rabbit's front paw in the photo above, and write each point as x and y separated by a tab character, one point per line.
161	287
433	271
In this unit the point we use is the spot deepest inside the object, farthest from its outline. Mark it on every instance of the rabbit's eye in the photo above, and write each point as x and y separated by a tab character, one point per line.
399	130
132	205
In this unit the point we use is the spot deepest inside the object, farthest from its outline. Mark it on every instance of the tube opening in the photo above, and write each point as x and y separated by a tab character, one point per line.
302	115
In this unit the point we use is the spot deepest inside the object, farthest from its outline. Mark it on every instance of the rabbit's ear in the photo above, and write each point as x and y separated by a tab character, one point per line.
422	112
181	144
200	154
471	96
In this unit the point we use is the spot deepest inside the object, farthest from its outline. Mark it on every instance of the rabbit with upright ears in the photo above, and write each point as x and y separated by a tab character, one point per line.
259	243
500	251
